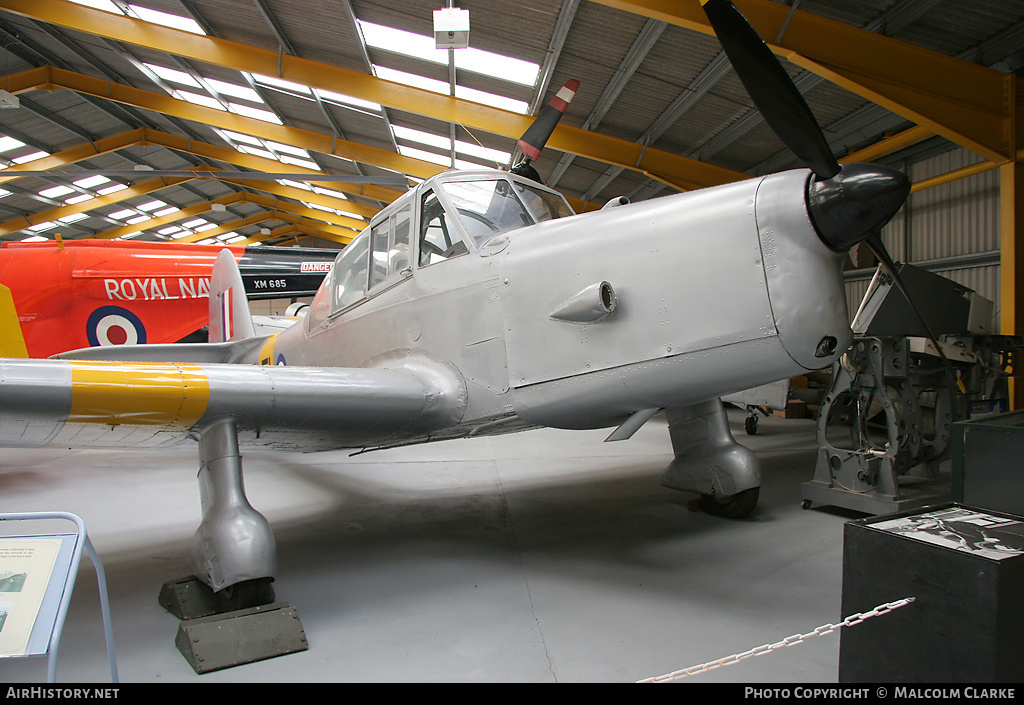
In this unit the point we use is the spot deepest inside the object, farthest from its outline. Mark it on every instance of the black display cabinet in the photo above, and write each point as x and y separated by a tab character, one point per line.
964	567
987	468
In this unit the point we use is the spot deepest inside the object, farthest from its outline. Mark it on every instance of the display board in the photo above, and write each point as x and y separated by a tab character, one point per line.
34	573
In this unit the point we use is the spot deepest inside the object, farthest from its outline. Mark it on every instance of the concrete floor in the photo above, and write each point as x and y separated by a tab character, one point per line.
537	557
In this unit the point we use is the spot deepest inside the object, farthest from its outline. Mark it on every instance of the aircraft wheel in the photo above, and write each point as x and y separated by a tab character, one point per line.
750	425
736	506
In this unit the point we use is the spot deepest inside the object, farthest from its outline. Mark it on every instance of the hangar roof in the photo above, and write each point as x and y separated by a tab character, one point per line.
356	88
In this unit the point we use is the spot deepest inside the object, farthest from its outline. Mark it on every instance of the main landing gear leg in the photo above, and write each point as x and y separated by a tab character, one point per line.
227	608
710	462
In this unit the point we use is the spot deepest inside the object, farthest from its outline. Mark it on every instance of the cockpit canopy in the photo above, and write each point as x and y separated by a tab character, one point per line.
491	206
446	216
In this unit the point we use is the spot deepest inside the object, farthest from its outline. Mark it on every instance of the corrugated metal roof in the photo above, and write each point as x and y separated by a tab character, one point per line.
597	43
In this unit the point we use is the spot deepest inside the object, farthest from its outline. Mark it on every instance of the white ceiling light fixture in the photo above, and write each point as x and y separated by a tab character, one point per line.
451	28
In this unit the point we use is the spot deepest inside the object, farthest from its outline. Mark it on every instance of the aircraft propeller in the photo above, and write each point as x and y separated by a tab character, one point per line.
537	134
848	203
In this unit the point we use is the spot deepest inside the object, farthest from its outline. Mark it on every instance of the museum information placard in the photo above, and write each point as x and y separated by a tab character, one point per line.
26	564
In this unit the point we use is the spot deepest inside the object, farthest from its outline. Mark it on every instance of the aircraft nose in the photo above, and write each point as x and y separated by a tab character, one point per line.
855	203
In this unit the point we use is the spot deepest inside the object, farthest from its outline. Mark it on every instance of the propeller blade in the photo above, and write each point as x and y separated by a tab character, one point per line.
877	247
771	89
537	134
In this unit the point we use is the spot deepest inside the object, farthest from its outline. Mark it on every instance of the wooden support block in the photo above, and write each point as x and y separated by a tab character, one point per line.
242	636
795	409
190	598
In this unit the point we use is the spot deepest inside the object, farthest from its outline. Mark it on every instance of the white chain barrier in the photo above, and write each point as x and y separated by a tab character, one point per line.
850	621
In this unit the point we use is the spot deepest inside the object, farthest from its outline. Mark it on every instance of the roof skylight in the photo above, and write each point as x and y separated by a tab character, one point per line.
173	75
423	47
215	95
165	19
105	5
445	143
30	157
144	13
234	90
248	111
304	163
56	191
430	84
91	181
201	99
268	149
440	159
7	143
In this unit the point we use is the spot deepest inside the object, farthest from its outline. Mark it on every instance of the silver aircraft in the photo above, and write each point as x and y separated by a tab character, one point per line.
477	304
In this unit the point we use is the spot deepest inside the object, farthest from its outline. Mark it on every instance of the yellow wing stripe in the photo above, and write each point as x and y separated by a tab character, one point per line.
147	394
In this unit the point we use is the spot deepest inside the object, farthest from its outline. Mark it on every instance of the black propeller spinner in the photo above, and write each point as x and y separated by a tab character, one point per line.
848	204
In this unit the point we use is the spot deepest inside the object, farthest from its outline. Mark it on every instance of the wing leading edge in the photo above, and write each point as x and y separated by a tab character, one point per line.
103	404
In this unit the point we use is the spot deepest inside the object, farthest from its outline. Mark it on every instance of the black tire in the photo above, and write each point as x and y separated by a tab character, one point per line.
750	425
735	506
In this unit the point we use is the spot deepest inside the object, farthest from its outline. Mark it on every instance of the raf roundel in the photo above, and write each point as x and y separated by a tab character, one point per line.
113	325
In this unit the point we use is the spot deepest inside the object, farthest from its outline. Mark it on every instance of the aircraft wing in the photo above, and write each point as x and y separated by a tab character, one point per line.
102	404
234	351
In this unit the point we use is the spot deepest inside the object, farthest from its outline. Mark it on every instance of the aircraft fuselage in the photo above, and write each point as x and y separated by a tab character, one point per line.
703	294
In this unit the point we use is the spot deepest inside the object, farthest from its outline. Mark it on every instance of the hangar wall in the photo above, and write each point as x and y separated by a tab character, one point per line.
951	229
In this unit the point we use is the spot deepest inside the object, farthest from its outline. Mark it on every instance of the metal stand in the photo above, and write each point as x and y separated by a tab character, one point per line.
50	618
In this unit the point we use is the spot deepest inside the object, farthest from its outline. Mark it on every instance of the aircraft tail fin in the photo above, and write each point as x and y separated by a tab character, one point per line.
12	340
229	307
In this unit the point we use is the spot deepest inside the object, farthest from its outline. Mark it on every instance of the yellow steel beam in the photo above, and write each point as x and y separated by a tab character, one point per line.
276	232
1011	238
307	230
143	136
330	219
228	227
966	103
277	189
52	78
148	136
955	175
52	214
174	217
251	161
344	235
891	144
315	232
311	213
678	171
73	154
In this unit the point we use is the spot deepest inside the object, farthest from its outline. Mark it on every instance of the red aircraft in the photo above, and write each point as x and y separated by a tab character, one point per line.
84	293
